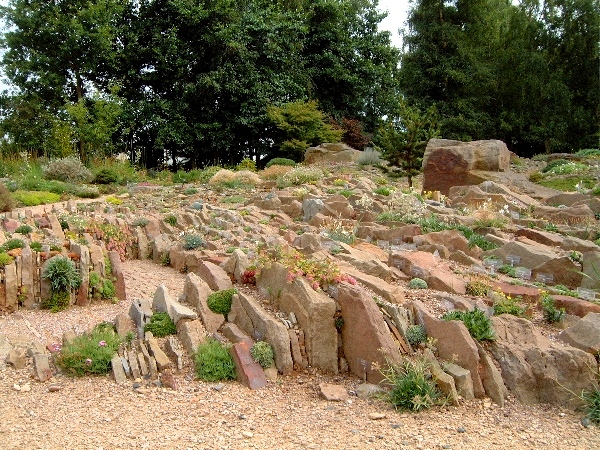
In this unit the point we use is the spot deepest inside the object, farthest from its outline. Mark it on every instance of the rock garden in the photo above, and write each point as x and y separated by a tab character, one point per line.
477	293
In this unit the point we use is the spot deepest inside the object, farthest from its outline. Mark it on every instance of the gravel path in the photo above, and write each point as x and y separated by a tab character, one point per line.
95	413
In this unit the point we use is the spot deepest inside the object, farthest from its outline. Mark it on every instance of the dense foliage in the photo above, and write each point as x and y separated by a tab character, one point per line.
525	72
187	80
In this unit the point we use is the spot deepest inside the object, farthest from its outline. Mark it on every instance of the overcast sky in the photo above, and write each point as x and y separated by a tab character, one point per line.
398	10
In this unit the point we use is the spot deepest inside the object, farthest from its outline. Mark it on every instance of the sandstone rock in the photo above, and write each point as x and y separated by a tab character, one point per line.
255	321
314	311
445	162
216	278
575	306
195	292
191	333
434	270
233	334
527	294
566	198
27	270
462	380
118	276
530	255
331	152
333	392
572	215
540	236
584	334
163	301
248	372
390	292
365	336
117	369
161	245
454	343
444	381
140	312
308	243
312	207
453	240
365	261
143	249
491	378
237	264
124	324
535	370
162	361
565	271
17	357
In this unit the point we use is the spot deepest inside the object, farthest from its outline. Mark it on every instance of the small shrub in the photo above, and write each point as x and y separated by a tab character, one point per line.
7	202
108	291
479	325
507	269
165	260
36	246
35	198
113	200
504	304
386	191
140	222
234	199
412	386
207	173
281	162
171	220
587	152
417	283
481	242
551	313
69	169
416	334
246	164
89	353
160	325
58	301
536	177
193	241
220	302
214	362
274	172
5	259
478	287
62	274
106	176
23	229
228	179
12	243
190	191
262	353
301	175
369	157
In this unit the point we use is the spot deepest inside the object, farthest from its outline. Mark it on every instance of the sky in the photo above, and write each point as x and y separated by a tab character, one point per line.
398	10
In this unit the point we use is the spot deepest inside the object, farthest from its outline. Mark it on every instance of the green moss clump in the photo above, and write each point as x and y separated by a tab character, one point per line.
262	353
161	325
220	302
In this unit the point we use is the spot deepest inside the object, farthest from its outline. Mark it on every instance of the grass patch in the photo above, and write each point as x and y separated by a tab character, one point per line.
214	362
479	325
413	388
35	198
160	325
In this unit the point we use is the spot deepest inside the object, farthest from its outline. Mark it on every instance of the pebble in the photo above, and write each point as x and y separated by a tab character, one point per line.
219	387
377	416
461	430
54	388
247	434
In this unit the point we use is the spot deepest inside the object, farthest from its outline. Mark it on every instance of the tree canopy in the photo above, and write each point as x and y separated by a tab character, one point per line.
194	78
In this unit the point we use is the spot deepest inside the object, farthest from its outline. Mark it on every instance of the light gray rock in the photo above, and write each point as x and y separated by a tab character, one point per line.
216	278
462	379
118	370
191	333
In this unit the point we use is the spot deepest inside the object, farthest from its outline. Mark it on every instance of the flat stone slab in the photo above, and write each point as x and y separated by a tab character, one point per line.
584	334
249	372
333	392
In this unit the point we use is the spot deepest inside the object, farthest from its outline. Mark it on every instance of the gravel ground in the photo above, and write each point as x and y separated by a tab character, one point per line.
96	413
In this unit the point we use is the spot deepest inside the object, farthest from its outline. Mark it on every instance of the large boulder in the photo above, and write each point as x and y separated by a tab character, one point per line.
447	162
329	152
534	369
367	341
530	255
